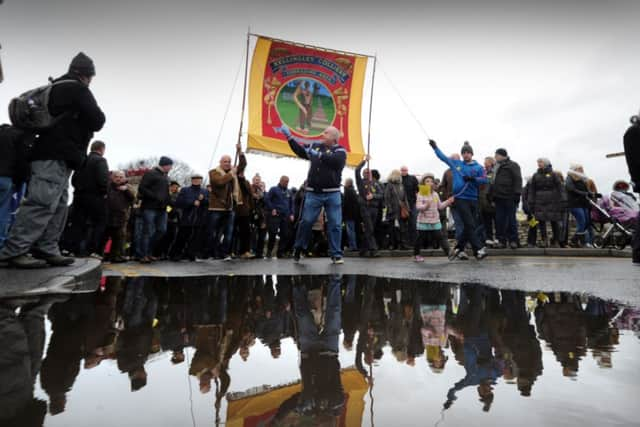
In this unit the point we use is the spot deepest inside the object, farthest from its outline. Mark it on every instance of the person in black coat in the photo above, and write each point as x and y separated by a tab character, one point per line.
119	200
69	139
154	195
632	153
506	187
547	199
351	213
89	217
164	246
410	184
327	159
57	152
370	198
193	201
22	337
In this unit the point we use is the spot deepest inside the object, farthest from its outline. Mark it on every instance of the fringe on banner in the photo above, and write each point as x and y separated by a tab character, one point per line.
279	156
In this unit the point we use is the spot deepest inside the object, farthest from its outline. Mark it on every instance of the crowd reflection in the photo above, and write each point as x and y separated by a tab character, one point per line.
495	335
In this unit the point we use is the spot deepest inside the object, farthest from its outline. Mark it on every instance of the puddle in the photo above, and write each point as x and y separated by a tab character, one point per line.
316	350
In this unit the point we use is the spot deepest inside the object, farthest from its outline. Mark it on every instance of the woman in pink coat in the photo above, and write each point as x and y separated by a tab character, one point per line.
428	221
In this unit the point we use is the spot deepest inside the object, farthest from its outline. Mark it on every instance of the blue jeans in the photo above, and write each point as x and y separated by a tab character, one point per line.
220	224
313	204
506	224
155	225
6	191
310	338
580	214
350	225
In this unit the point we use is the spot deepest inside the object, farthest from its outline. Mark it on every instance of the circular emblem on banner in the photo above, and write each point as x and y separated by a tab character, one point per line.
306	106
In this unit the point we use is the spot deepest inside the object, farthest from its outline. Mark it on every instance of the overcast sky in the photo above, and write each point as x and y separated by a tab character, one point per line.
556	79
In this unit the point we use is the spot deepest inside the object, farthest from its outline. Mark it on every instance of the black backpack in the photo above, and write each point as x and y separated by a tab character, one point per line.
17	145
30	110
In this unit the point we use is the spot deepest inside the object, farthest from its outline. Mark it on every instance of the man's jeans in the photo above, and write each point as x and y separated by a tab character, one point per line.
220	224
155	225
350	225
310	337
6	191
506	224
313	204
467	211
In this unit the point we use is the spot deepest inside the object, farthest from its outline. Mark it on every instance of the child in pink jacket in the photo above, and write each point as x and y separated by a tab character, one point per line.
428	222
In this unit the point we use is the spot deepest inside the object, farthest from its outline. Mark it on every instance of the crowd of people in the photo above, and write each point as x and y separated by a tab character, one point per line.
233	216
206	322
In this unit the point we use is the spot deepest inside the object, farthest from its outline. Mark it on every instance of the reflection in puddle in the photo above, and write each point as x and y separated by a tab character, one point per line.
315	350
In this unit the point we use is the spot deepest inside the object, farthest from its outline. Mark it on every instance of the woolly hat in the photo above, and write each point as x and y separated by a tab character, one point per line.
82	65
502	152
165	161
466	148
429	175
196	176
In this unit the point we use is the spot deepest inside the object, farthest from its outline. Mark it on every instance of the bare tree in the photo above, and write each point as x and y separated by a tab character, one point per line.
181	172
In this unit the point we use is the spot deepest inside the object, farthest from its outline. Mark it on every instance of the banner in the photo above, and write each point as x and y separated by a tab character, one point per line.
259	409
308	90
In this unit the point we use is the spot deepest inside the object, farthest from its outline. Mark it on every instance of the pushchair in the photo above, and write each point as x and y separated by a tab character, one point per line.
614	218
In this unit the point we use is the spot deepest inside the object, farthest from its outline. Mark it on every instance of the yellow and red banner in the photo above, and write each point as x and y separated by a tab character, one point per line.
308	90
259	410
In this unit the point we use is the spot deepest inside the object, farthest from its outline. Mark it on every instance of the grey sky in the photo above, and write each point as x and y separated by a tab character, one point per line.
552	79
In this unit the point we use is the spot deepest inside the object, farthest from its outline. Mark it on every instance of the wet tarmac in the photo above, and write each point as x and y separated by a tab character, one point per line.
316	350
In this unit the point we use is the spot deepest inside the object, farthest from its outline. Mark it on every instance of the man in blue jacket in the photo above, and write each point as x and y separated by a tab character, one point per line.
468	175
279	205
327	159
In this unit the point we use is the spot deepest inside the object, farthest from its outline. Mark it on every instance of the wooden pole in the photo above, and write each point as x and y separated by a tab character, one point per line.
373	78
612	155
244	97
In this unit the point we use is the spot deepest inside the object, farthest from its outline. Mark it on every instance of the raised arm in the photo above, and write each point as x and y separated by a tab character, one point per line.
440	154
297	148
359	183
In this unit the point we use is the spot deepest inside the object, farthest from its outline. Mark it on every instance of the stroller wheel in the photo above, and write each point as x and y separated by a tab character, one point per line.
598	242
621	241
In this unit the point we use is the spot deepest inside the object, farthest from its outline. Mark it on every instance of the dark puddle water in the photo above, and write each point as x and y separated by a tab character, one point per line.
325	350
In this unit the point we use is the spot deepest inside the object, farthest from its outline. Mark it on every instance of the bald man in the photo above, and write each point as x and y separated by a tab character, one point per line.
322	190
222	199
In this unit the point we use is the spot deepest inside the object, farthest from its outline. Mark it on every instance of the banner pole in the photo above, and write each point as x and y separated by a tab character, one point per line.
373	78
244	97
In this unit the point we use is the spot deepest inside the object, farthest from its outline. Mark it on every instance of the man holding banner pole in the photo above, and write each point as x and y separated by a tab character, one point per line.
327	159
